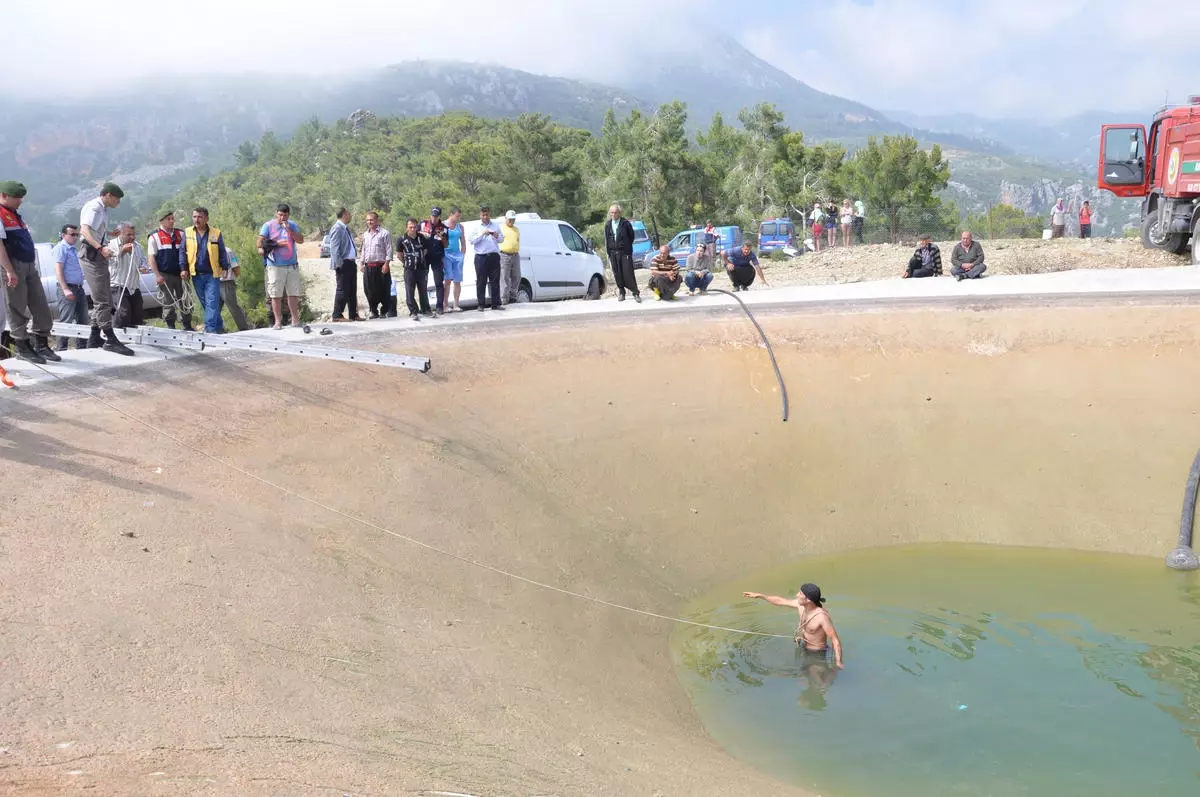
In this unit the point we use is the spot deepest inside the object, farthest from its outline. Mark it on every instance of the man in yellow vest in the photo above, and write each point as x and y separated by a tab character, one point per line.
510	258
207	262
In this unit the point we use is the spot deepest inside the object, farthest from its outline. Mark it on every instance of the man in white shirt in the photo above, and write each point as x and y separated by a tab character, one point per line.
93	229
125	269
485	241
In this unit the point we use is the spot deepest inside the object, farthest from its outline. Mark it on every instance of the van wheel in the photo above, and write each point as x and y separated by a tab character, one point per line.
595	287
524	292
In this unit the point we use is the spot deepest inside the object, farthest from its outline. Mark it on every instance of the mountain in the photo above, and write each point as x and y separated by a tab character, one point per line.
167	136
1074	141
724	76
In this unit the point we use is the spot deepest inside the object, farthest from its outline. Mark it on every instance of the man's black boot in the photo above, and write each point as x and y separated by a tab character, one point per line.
94	340
41	345
114	345
25	351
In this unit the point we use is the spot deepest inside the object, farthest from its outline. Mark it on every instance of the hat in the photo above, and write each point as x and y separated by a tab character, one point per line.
925	237
167	213
512	214
112	188
812	592
435	212
12	188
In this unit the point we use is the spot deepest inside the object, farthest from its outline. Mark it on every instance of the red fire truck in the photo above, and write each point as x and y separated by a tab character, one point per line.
1162	167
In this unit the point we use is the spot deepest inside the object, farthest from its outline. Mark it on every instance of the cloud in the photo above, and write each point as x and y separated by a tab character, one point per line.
1022	58
1012	58
144	38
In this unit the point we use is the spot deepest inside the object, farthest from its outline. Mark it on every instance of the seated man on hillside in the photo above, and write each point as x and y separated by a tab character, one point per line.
699	270
664	274
926	261
967	259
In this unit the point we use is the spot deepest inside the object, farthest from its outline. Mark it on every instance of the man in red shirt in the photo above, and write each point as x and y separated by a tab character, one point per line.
1085	220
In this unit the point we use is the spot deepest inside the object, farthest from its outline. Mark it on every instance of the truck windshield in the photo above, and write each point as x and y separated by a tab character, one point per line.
768	229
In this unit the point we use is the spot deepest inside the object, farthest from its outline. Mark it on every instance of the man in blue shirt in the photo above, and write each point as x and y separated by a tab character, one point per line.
742	265
207	261
277	241
72	302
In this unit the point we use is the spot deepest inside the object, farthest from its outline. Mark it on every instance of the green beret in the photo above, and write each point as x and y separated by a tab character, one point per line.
112	188
12	188
164	215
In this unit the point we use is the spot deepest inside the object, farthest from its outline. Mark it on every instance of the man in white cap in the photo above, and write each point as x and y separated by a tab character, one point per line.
510	258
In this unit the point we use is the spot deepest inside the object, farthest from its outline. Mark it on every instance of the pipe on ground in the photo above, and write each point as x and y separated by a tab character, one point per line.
1184	556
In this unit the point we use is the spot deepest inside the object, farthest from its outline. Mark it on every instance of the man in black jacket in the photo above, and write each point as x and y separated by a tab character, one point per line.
926	261
618	241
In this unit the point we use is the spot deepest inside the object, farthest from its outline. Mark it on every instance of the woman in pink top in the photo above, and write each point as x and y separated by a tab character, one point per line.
847	220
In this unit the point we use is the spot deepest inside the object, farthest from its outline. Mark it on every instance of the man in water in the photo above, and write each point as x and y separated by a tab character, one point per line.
815	633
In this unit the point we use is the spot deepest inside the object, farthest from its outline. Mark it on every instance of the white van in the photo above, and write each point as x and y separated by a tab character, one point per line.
556	262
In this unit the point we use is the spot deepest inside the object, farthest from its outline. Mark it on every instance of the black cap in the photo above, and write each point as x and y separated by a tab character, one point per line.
813	593
435	212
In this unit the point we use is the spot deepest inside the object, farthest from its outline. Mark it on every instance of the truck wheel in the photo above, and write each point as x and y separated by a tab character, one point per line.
1196	242
1152	238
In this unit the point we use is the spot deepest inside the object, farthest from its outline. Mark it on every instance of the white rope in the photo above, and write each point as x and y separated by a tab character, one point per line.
184	304
404	537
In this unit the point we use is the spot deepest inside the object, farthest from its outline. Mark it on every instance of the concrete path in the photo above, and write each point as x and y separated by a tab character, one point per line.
1180	281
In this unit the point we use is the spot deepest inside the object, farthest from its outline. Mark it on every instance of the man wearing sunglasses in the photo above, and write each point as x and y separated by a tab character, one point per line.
72	302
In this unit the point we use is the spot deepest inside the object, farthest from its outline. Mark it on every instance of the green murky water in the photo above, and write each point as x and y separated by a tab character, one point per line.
970	671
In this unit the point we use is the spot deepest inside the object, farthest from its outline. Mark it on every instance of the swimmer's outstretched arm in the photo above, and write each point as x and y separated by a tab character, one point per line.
774	600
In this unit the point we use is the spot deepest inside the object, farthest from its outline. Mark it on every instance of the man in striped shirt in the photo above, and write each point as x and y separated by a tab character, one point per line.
376	266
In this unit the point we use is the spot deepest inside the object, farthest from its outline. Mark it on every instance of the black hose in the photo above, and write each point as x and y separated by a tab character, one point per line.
770	351
1184	557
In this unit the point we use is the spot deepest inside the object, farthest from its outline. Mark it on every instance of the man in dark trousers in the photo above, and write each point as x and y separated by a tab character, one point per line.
413	250
434	231
926	261
486	242
618	242
967	259
343	259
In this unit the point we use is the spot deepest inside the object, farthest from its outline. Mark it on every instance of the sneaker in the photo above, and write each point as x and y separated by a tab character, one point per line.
481	308
621	298
415	316
637	297
958	277
434	313
692	292
498	307
657	295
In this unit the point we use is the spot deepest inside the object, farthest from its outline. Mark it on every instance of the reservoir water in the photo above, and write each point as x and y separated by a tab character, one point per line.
969	671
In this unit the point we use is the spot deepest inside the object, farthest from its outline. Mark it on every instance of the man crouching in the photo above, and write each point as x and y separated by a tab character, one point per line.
664	274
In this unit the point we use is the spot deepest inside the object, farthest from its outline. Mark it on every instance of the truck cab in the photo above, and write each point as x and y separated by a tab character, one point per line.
1162	167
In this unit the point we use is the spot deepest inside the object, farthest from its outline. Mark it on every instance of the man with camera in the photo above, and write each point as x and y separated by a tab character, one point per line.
277	241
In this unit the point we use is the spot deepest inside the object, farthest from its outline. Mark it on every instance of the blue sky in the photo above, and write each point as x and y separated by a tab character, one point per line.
1039	58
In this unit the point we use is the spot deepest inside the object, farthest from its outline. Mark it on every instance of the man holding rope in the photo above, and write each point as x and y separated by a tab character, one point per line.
815	633
164	248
